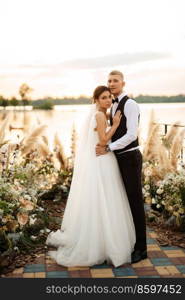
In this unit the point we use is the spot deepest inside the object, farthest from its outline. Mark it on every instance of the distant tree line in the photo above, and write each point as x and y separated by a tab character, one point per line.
62	101
87	100
49	102
24	92
160	99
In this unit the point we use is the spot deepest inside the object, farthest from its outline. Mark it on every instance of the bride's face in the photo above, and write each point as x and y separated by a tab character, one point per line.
105	100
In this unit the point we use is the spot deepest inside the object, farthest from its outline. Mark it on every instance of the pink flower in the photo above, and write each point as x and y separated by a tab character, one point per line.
28	205
22	218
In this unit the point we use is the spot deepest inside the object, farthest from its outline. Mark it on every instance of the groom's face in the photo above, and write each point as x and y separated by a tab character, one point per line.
116	84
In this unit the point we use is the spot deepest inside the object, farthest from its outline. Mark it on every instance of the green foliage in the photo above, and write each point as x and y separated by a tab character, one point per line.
47	105
25	183
160	99
14	101
88	100
25	102
49	102
167	196
182	195
3	101
5	242
24	91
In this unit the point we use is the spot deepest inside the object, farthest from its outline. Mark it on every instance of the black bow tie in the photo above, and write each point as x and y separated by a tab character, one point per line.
115	100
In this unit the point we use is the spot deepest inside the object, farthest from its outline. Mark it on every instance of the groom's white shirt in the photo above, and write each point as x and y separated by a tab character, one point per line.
131	111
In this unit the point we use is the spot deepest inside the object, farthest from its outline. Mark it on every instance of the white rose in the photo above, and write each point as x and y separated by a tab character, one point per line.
27	197
153	201
158	205
32	221
159	191
147	187
4	148
147	173
41	208
145	165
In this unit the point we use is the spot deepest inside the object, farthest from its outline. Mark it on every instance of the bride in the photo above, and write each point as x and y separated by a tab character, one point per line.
97	223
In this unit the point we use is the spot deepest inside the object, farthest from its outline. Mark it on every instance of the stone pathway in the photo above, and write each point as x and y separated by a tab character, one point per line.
161	262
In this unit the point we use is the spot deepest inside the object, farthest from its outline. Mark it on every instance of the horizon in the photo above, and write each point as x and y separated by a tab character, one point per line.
66	49
70	97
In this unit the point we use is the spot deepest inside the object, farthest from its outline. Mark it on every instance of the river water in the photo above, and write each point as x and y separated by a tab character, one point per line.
63	118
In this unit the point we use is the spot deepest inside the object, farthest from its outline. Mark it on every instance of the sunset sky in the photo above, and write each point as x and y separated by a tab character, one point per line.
67	47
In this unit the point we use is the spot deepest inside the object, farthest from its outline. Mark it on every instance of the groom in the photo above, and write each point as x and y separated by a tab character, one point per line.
126	148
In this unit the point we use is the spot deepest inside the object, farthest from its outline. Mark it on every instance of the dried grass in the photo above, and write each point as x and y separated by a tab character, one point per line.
3	115
29	142
60	155
26	122
153	143
44	150
164	153
168	139
176	148
4	126
45	140
164	165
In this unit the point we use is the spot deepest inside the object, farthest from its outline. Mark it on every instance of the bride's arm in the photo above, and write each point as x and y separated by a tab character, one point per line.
105	136
108	115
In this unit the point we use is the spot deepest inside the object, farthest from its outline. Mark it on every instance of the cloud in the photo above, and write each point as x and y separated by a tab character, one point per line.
113	60
101	62
98	62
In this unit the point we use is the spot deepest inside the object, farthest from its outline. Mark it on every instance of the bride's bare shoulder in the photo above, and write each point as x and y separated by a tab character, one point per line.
100	115
108	115
100	119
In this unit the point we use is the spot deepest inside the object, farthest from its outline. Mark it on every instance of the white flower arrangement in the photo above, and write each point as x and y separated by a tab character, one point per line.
159	191
167	195
20	182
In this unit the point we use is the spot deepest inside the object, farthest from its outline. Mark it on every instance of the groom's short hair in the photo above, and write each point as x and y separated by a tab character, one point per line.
115	72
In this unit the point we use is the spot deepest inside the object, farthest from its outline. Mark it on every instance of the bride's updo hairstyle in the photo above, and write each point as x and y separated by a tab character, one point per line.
98	91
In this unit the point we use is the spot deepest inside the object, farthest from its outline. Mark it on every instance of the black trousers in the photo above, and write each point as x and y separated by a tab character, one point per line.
130	165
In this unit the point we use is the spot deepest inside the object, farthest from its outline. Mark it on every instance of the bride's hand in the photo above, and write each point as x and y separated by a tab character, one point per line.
117	118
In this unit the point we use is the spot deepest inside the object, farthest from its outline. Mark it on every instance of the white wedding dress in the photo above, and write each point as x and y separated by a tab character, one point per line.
97	223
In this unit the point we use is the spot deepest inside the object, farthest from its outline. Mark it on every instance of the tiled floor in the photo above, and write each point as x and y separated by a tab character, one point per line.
161	262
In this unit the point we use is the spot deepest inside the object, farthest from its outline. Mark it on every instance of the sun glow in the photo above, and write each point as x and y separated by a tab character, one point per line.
67	47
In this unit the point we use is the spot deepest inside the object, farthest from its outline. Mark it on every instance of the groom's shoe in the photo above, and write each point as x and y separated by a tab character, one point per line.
138	255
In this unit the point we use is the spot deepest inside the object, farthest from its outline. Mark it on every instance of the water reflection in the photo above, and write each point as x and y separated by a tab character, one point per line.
62	119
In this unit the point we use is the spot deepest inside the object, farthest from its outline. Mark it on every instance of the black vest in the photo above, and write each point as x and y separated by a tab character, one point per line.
122	129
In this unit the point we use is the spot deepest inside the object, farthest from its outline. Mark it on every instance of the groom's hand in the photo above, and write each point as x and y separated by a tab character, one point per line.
100	150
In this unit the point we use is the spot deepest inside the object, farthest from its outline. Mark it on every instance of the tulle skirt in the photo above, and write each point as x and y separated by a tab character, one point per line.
97	223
